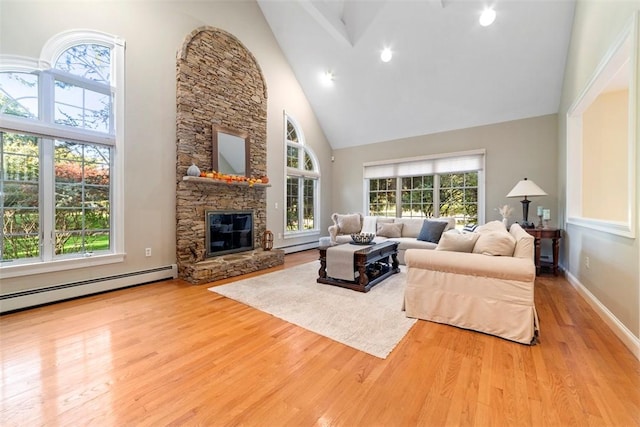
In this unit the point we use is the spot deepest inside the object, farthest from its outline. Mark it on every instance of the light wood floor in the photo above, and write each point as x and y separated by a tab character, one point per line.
170	353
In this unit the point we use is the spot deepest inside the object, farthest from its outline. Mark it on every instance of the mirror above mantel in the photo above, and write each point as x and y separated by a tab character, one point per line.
231	149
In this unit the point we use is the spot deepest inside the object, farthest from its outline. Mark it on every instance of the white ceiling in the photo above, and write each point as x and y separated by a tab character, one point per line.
447	71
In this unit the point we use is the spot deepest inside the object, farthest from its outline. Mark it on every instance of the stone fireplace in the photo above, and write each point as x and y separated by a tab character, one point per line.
219	83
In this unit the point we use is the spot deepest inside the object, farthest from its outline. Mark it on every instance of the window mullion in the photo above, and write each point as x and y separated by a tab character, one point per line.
84	108
83	197
47	205
436	195
2	190
112	130
316	202
47	171
366	194
398	197
46	101
300	203
300	157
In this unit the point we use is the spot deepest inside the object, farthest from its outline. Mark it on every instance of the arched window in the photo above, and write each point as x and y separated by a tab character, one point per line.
60	182
303	182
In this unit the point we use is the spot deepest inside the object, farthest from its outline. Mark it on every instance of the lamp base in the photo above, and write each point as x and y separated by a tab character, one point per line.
525	214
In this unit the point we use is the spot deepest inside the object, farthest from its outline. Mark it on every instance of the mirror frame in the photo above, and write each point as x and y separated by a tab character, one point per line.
235	132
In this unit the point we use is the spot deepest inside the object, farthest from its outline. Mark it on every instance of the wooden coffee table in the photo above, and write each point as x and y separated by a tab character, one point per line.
373	264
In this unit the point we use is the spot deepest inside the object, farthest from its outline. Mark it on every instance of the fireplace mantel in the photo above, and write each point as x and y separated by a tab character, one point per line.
212	181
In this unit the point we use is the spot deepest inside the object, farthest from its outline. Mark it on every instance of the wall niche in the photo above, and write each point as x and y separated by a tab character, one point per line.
219	83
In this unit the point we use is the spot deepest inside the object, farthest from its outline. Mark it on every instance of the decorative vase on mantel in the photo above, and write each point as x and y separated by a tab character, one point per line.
193	170
505	221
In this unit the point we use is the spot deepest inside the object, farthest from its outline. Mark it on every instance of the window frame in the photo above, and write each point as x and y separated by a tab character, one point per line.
301	174
429	170
44	128
623	50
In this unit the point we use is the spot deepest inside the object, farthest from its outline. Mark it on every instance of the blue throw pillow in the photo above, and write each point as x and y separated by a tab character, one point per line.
431	230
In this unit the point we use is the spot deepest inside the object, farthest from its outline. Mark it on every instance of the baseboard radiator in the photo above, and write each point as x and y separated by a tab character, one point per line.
299	247
34	297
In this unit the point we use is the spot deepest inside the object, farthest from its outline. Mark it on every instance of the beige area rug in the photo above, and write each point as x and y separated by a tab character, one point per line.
372	322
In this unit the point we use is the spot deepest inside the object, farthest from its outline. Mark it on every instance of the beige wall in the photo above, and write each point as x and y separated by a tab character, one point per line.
605	157
514	150
613	276
154	31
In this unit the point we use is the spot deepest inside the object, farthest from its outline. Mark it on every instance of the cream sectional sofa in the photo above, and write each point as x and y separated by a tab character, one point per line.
488	289
409	230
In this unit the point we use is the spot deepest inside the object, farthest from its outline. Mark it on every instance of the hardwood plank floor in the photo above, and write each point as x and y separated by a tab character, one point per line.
170	353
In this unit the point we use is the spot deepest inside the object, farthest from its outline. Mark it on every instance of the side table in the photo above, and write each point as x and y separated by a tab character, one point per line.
545	233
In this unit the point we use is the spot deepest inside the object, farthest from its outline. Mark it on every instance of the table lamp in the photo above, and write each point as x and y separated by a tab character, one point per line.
526	188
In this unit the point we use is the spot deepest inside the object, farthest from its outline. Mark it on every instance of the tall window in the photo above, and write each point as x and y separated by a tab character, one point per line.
427	187
303	179
58	143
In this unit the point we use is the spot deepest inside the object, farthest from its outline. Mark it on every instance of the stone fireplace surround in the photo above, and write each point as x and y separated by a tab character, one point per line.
218	82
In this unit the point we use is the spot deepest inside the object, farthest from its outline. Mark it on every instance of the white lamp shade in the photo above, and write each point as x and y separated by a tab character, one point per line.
526	188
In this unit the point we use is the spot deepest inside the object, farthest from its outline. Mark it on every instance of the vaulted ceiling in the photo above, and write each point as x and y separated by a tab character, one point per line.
447	71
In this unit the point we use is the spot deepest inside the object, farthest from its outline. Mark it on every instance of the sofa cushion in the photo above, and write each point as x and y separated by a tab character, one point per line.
412	243
451	222
385	220
455	242
369	224
491	226
497	243
431	230
410	226
349	223
389	229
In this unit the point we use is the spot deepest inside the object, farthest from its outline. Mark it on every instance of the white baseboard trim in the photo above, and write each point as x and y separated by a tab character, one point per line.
34	297
300	247
619	329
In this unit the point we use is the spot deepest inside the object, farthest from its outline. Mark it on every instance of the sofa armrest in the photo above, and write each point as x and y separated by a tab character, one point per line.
525	243
333	232
498	267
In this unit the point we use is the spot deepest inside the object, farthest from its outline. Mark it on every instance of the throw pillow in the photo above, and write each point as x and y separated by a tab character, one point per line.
496	243
455	242
431	230
491	226
389	229
470	228
349	223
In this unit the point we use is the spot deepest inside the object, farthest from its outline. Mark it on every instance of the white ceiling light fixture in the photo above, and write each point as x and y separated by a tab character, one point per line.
386	55
487	17
326	78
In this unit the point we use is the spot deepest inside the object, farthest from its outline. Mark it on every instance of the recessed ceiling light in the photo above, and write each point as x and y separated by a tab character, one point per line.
326	78
487	17
386	55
